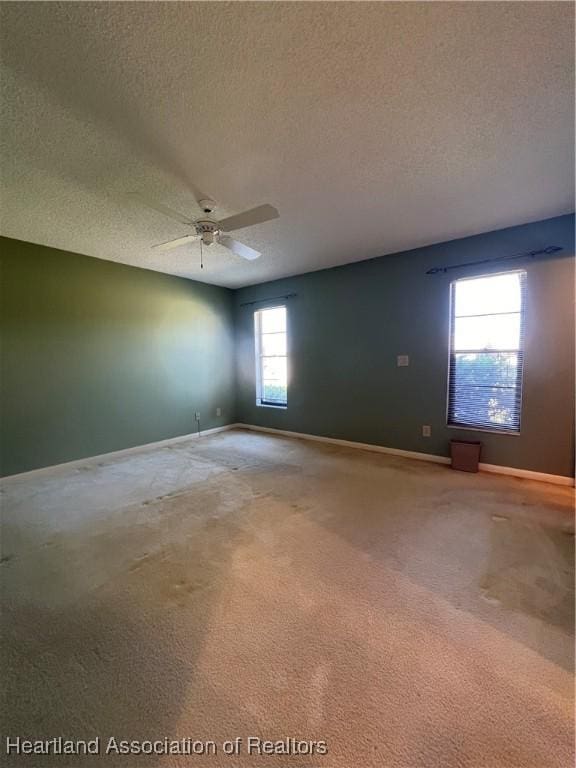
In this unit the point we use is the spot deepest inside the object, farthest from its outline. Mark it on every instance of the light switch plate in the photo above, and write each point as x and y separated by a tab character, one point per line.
426	430
402	361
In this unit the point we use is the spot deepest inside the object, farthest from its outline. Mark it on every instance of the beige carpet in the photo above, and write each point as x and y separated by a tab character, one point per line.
249	585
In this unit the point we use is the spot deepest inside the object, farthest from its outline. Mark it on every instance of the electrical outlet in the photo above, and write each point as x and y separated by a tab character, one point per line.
197	415
218	411
402	361
426	430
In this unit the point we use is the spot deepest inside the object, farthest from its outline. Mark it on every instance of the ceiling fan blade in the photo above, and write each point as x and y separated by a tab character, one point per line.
175	243
257	215
244	251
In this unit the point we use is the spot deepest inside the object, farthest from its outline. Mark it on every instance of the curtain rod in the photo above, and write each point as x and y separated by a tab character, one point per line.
528	254
272	298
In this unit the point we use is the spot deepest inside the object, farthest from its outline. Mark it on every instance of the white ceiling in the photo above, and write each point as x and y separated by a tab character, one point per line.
372	127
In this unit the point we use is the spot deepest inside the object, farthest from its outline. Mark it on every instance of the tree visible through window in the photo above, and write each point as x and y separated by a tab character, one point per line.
271	360
486	352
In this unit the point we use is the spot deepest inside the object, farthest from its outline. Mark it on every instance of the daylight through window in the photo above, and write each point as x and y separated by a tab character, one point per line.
486	352
271	360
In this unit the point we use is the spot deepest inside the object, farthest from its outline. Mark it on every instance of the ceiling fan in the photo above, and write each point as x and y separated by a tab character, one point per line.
209	231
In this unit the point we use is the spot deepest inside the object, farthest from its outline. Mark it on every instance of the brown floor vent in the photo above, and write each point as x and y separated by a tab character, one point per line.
465	455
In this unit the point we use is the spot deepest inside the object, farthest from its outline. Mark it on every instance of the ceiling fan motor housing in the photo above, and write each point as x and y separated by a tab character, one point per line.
207	230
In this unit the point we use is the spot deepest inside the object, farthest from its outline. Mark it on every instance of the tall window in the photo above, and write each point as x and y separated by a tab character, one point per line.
486	352
271	360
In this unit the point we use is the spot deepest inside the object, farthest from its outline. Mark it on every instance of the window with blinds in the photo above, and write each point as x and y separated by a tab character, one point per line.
271	357
487	352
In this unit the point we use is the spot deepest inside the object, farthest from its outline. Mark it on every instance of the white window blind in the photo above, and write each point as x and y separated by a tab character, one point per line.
271	357
487	352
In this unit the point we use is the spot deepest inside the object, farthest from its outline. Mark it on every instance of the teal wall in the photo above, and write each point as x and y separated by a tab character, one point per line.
348	324
97	356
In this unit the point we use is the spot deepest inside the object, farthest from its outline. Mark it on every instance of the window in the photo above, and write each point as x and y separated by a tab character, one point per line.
486	352
271	360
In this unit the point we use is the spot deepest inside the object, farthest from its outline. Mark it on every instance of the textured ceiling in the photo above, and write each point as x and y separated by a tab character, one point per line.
372	127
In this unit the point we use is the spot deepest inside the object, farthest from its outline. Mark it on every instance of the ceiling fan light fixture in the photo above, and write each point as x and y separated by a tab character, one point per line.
207	231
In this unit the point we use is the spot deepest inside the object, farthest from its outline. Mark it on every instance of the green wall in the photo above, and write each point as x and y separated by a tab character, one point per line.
97	356
348	324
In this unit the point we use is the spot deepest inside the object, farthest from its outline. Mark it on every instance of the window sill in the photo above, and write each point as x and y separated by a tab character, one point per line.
465	428
269	405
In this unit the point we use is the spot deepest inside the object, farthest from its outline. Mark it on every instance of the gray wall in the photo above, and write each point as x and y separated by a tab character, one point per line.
346	326
97	356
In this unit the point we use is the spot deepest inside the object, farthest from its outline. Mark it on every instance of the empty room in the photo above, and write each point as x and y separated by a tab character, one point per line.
287	384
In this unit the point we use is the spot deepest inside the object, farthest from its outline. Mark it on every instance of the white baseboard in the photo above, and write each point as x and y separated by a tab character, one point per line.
116	454
525	474
350	444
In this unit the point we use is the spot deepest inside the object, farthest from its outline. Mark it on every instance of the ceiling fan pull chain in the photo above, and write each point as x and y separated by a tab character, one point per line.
201	255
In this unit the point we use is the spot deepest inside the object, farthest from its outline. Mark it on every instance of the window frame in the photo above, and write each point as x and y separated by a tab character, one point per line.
258	358
521	351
